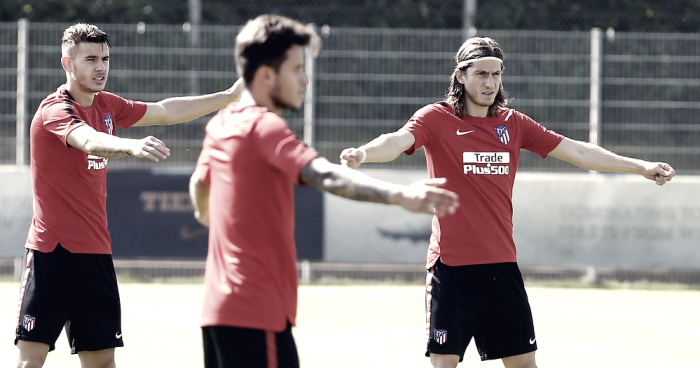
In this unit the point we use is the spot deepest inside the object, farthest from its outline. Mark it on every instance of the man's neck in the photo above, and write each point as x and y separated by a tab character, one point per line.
83	98
262	98
475	110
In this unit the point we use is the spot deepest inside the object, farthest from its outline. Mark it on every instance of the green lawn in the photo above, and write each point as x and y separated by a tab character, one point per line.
384	326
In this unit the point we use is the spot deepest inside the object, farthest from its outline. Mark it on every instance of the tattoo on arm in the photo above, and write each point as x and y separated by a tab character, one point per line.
109	153
344	182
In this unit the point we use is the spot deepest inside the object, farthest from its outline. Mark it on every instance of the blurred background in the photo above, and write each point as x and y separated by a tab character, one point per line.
623	74
382	60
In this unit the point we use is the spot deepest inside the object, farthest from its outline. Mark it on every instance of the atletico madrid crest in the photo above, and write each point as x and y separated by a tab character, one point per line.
108	123
29	323
503	135
440	336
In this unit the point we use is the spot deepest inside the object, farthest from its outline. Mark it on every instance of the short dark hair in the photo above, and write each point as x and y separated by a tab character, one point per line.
81	32
265	41
474	48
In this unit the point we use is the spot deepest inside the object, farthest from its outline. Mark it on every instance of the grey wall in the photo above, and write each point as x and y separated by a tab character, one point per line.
607	220
559	220
150	216
15	210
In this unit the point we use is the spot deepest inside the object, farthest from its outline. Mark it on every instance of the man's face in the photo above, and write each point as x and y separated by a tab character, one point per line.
89	66
481	82
291	81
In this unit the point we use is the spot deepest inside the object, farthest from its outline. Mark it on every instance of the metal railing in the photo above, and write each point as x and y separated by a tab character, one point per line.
326	272
636	94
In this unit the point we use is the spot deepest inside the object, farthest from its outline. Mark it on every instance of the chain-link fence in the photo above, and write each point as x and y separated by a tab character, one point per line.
570	15
370	81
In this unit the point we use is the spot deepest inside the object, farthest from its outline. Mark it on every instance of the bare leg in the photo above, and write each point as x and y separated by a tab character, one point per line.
31	354
97	359
444	360
520	361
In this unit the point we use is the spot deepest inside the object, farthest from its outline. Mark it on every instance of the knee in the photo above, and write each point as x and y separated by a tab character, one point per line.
104	364
27	362
520	361
31	354
522	365
530	364
444	361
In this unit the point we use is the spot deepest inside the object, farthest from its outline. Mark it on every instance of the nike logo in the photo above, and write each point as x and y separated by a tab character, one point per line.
119	336
463	133
186	234
532	341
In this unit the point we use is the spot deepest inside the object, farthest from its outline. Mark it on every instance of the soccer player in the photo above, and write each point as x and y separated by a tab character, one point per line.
69	277
474	286
242	189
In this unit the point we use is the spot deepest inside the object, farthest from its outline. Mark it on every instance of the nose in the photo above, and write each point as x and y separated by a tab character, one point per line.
490	81
304	79
100	66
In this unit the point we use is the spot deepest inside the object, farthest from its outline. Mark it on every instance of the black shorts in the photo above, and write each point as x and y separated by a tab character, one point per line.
227	347
78	291
487	302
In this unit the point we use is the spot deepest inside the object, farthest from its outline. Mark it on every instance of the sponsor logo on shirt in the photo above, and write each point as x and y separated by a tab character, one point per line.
502	133
96	162
108	123
486	163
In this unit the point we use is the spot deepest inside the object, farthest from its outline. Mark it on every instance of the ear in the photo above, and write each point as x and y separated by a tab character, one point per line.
459	76
265	75
67	63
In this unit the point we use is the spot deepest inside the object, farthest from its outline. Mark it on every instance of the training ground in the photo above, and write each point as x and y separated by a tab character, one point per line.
383	326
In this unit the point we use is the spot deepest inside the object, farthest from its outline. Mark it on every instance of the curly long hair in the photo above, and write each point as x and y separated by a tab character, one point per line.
474	48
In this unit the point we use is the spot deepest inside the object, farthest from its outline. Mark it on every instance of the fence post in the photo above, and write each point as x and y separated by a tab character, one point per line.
468	16
596	102
195	16
21	110
305	271
18	269
309	102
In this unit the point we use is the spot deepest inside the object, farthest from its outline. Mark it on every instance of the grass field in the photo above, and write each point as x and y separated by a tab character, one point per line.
383	326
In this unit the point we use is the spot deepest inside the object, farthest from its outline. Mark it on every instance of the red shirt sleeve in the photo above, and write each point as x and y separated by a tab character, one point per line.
126	112
536	138
422	130
280	147
60	119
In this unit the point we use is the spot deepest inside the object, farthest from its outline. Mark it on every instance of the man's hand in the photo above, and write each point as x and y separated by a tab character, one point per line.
424	196
150	147
202	218
660	172
236	89
352	157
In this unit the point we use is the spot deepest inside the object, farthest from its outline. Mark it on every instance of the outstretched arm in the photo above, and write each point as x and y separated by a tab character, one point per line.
422	196
386	147
180	109
87	139
199	194
589	156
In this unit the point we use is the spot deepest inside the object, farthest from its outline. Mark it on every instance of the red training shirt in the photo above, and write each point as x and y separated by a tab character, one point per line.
251	159
478	157
69	185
